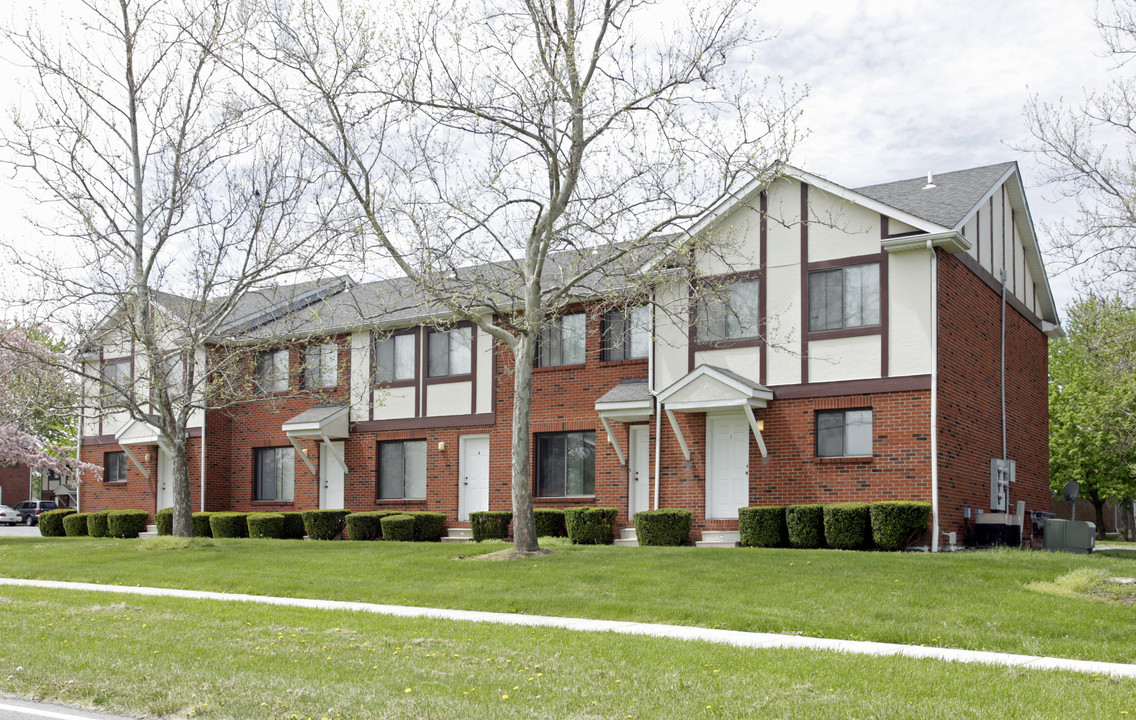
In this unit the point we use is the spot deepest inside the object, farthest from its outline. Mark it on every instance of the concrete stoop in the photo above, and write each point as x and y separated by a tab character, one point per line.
151	531
458	535
720	539
627	538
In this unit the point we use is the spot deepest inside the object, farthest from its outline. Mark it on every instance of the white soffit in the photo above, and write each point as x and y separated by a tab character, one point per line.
323	422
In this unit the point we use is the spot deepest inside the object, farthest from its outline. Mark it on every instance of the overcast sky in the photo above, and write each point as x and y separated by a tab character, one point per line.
898	89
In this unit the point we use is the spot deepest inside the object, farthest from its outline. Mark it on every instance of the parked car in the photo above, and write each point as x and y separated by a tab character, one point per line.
30	510
8	516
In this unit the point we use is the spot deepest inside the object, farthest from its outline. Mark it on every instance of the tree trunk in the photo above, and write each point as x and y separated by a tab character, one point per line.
183	510
1098	503
524	524
1129	533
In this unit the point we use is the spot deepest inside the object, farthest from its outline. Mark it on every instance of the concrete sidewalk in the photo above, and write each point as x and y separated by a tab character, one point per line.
727	637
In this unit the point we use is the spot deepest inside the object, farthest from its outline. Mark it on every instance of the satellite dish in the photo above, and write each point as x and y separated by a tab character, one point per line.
1071	490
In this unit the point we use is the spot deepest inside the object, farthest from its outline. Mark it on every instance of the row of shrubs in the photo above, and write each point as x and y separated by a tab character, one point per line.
316	524
108	523
581	525
844	526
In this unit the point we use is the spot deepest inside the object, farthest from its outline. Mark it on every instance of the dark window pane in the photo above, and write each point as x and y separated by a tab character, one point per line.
830	434
438	362
390	471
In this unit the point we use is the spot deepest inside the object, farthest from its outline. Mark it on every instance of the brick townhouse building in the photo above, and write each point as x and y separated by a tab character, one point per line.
853	352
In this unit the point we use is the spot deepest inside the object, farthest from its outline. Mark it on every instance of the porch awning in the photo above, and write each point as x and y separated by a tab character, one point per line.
323	422
628	402
139	432
706	389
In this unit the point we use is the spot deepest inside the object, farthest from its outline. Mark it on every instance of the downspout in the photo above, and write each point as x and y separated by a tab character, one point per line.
934	397
79	457
204	414
656	408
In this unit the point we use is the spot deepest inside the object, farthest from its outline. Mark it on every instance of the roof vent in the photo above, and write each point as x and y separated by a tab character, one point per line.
930	183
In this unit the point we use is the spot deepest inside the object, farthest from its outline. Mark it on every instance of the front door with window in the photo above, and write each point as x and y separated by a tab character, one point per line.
165	480
638	470
473	485
331	478
727	466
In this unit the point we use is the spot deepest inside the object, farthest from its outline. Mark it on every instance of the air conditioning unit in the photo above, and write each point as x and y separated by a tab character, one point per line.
1073	536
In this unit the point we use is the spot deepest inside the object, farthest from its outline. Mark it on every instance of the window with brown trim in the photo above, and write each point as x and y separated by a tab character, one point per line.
402	470
562	341
321	366
626	334
449	352
566	464
396	357
114	467
728	312
844	298
844	433
272	371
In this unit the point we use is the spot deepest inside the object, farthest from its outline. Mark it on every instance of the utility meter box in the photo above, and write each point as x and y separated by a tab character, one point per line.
1074	536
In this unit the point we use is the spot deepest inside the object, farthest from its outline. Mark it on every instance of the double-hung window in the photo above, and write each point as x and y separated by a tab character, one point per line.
395	358
562	341
844	433
402	470
728	312
272	371
114	467
275	474
566	464
626	334
321	366
450	352
116	382
844	298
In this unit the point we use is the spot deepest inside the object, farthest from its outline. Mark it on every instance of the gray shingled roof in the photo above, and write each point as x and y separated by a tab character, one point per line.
947	204
634	390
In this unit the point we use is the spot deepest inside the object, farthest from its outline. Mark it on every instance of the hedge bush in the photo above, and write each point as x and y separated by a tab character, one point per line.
97	524
367	525
265	525
894	524
126	523
590	525
398	527
763	526
294	526
51	522
201	526
550	522
164	519
428	526
805	525
325	524
228	524
75	524
490	524
666	526
847	526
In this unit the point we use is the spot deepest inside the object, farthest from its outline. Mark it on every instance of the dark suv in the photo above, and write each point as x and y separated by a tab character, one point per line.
30	509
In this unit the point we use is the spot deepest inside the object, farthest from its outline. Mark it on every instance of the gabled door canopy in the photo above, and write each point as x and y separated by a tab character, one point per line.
708	388
139	432
322	422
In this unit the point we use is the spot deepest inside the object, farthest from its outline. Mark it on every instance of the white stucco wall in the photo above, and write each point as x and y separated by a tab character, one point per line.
909	311
484	403
395	403
744	361
671	329
449	398
854	358
840	229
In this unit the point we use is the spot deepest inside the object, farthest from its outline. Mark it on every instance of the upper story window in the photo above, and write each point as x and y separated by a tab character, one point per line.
728	312
562	341
114	467
844	433
275	474
450	352
272	371
402	470
566	464
174	365
844	297
116	381
321	366
395	358
626	334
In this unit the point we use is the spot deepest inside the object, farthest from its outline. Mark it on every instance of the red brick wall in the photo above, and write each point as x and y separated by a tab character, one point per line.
140	489
15	486
970	411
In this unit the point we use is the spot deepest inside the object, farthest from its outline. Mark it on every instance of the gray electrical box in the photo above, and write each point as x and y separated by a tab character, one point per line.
1074	536
1002	473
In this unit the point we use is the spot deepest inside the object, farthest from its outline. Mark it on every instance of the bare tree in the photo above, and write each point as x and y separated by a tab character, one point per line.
512	158
166	204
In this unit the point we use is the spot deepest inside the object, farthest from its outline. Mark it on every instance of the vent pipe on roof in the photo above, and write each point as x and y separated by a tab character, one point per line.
930	183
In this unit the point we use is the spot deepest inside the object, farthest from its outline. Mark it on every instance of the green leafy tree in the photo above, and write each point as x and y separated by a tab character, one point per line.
1092	404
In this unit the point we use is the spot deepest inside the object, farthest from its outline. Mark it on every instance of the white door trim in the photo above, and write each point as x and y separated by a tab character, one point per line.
638	466
331	477
714	469
467	503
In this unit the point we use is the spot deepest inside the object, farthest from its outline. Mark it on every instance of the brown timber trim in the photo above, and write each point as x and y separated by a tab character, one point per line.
995	285
193	432
418	423
846	332
1002	245
99	440
846	261
762	289
905	383
885	302
804	283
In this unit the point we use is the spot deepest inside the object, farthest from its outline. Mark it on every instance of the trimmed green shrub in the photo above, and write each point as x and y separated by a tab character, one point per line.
228	524
367	525
490	524
265	525
665	526
847	526
550	522
805	525
763	526
51	522
398	527
201	526
294	526
590	525
75	524
325	524
126	523
428	526
97	524
894	524
164	519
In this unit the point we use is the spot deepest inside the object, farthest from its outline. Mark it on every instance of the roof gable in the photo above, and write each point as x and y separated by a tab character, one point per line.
952	199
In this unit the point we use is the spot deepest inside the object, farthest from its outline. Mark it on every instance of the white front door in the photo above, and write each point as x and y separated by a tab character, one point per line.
638	469
331	478
165	480
473	480
727	466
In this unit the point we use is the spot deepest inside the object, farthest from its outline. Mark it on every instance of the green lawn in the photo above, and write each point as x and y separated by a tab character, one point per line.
983	601
200	659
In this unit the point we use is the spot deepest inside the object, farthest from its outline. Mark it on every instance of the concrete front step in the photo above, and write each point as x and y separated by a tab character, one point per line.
627	538
458	535
720	538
